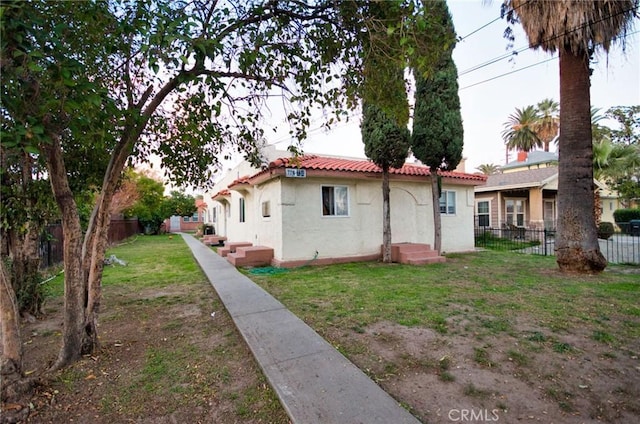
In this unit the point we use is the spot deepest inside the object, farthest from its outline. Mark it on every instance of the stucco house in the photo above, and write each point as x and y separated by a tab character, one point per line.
329	209
525	194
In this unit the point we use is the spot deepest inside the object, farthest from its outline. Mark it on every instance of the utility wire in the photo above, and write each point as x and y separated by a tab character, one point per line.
521	49
481	28
489	23
527	67
508	73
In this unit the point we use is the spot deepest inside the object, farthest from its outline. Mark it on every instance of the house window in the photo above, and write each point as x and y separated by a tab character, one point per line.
266	209
515	212
448	202
185	218
214	215
195	217
242	216
335	201
484	219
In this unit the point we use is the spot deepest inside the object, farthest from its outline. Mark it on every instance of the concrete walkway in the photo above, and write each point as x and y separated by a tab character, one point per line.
314	382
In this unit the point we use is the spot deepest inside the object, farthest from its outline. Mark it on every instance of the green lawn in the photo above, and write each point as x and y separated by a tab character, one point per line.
499	287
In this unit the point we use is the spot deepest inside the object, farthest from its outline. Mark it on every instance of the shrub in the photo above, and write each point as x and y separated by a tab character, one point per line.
605	230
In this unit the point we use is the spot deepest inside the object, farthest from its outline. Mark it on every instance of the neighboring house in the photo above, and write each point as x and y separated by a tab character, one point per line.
191	223
536	159
526	193
330	208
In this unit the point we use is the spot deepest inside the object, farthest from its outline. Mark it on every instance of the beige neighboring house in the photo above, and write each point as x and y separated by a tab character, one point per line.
330	208
525	194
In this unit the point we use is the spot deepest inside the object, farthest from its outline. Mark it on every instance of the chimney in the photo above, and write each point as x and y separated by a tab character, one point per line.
522	156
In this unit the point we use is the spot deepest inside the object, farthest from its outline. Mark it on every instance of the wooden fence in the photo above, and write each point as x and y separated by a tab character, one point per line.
52	239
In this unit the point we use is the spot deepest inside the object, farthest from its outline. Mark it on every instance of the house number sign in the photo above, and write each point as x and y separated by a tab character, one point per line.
295	173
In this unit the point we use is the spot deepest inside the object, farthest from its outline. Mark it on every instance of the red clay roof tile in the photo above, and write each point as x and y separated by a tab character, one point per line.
354	165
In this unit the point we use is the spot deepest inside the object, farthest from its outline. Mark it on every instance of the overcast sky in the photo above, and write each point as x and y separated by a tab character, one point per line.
487	105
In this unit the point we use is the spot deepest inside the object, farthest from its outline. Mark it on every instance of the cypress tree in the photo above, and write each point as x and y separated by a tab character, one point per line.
385	109
437	136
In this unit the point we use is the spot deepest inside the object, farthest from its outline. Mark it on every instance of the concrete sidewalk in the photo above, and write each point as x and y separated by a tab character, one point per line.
313	381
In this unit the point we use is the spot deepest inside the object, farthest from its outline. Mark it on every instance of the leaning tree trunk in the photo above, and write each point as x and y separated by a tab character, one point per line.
75	292
386	218
577	248
437	221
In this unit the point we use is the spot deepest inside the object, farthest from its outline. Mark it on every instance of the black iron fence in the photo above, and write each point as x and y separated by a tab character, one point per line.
618	248
52	239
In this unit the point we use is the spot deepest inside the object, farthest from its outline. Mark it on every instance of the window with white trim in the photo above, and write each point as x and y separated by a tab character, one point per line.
448	202
335	201
484	213
514	212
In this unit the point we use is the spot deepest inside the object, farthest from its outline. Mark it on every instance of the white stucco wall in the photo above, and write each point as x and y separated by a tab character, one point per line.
297	228
306	230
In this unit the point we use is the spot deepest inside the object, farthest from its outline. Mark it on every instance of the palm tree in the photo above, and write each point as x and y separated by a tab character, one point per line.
575	29
548	122
489	168
520	130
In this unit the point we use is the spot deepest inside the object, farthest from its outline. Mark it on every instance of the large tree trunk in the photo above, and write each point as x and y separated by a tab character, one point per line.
386	218
437	221
577	248
75	293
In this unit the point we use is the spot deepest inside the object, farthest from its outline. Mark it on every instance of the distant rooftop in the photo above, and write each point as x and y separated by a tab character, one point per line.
533	158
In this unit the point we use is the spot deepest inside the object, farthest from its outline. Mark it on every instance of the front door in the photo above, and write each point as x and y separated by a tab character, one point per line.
174	224
549	214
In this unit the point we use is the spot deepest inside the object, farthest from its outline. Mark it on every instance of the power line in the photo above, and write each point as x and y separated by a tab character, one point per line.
527	67
481	28
489	23
524	48
508	73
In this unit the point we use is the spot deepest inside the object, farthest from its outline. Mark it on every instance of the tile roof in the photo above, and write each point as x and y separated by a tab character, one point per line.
240	181
526	178
221	193
314	162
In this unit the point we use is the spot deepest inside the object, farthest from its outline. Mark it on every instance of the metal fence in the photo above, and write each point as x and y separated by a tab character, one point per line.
618	249
52	239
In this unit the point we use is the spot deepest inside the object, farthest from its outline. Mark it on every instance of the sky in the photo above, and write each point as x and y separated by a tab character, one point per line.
485	107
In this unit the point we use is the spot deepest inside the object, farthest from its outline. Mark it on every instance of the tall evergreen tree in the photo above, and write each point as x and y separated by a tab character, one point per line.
385	109
437	136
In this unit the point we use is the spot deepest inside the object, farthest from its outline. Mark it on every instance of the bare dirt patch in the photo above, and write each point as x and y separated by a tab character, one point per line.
524	375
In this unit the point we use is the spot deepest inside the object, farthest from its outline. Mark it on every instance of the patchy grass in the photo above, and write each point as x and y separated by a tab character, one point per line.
163	358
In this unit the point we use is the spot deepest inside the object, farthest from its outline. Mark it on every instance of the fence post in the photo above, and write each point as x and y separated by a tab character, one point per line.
545	241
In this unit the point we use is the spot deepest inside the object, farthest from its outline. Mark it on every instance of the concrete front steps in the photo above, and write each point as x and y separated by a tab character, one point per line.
251	256
415	254
213	240
231	247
